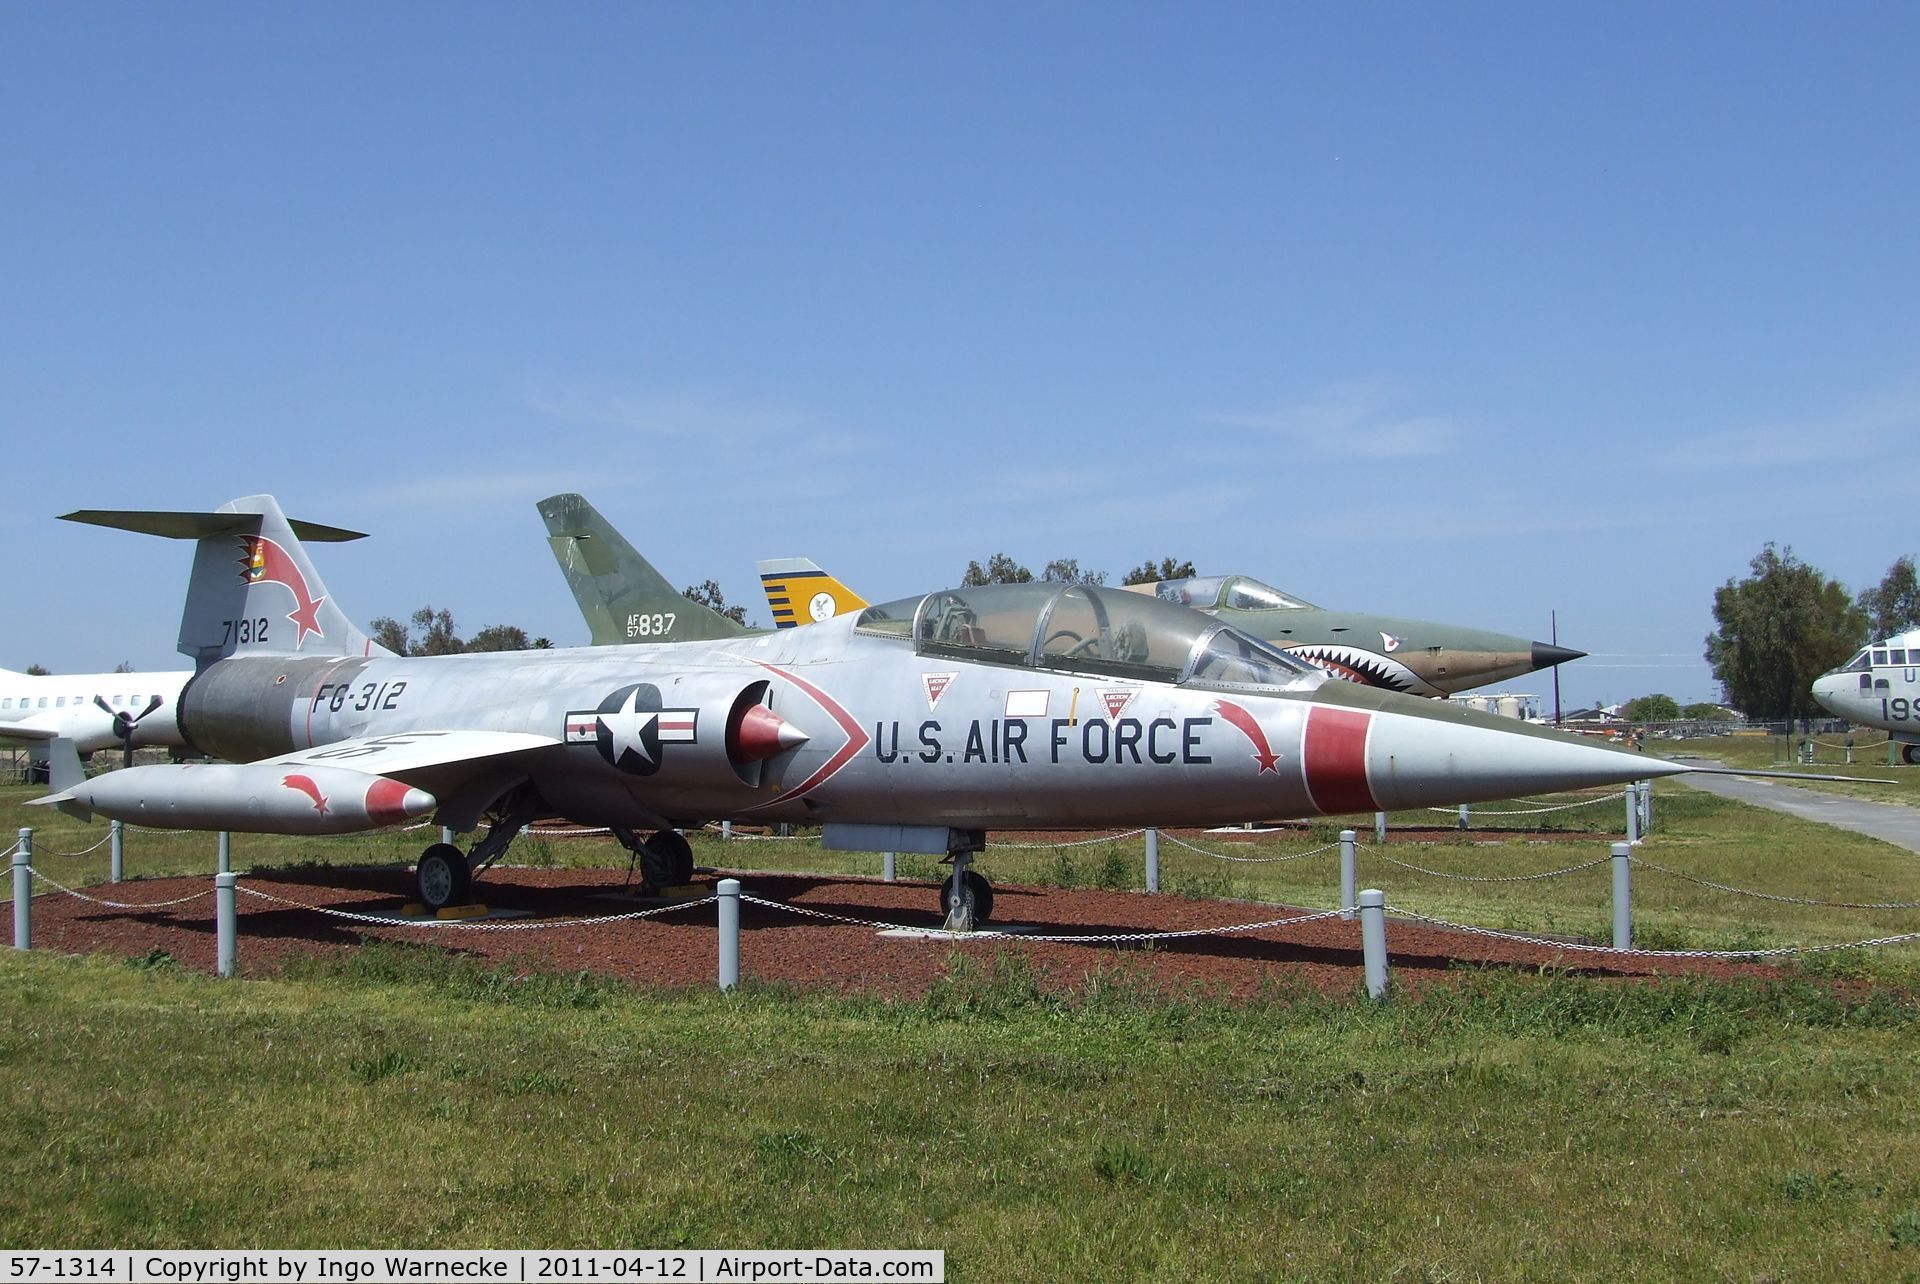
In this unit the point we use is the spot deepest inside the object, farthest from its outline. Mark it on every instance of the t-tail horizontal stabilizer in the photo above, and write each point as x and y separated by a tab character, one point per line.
252	591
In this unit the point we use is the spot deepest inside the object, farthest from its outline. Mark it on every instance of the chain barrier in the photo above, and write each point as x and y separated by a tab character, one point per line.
1828	744
381	920
132	905
48	851
1251	860
776	838
1508	878
8	854
1778	951
1774	896
1529	811
1099	939
1078	842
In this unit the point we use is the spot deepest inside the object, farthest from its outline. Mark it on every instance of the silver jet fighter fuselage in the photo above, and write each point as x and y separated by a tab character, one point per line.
916	725
651	735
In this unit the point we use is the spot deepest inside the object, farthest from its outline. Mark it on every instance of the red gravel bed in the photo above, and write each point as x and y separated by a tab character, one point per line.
778	945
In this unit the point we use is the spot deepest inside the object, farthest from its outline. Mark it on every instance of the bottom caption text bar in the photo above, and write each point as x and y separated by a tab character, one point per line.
518	1266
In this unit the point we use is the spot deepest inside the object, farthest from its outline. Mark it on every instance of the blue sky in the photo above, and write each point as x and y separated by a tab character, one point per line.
1464	312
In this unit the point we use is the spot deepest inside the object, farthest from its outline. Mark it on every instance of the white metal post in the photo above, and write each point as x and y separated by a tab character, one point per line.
118	833
23	892
886	867
1373	940
1348	872
1646	808
1463	816
729	894
726	831
1633	814
1380	827
227	929
446	834
1153	860
1622	896
226	852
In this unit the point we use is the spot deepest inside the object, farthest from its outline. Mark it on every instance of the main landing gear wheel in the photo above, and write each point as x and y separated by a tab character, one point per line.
1910	754
444	877
970	887
667	859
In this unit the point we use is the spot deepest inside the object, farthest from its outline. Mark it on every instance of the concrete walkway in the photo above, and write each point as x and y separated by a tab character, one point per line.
1893	823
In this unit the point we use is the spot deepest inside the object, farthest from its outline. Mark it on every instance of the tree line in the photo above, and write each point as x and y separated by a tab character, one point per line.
1002	569
1786	623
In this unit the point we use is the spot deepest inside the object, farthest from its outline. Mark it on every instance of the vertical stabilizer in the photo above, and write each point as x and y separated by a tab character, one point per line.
801	593
623	598
253	591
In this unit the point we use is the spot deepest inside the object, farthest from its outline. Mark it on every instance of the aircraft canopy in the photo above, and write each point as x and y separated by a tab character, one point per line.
1234	592
1084	629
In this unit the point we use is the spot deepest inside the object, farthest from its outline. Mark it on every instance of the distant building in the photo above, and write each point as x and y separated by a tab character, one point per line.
1508	704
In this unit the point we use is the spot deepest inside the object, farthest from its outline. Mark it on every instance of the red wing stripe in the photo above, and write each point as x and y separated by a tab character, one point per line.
1336	757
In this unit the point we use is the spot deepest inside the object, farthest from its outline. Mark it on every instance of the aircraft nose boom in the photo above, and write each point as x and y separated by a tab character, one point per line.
1546	655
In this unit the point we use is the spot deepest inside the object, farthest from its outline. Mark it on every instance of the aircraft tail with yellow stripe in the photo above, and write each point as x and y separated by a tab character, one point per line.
798	592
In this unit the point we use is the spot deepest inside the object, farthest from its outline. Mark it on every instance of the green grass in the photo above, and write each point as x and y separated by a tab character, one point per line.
1774	753
1513	1127
1505	1126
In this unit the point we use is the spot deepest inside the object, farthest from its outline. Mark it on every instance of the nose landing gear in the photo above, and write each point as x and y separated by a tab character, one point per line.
966	898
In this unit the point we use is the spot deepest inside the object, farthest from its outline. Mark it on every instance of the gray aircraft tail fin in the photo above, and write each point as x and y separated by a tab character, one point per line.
252	591
622	596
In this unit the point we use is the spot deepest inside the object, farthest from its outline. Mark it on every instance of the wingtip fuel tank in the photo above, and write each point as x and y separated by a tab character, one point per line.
251	798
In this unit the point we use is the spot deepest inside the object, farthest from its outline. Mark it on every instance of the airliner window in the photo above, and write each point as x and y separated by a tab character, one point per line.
1858	664
1898	657
1232	658
1879	657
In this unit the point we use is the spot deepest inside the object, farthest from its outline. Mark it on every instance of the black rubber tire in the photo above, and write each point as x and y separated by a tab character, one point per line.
979	890
443	877
1910	754
673	858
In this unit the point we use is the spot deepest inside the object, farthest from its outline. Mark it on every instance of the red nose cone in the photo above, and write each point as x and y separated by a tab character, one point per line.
762	733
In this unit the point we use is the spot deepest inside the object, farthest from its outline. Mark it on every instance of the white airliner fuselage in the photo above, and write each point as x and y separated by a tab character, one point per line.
1880	687
37	709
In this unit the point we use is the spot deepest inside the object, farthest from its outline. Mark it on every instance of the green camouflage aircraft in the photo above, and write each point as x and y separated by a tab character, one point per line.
1415	656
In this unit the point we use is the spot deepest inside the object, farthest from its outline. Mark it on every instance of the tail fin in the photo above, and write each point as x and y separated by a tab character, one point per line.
253	591
622	596
801	593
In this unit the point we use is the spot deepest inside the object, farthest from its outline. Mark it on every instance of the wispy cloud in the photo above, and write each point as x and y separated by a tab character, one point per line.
1351	421
1815	439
